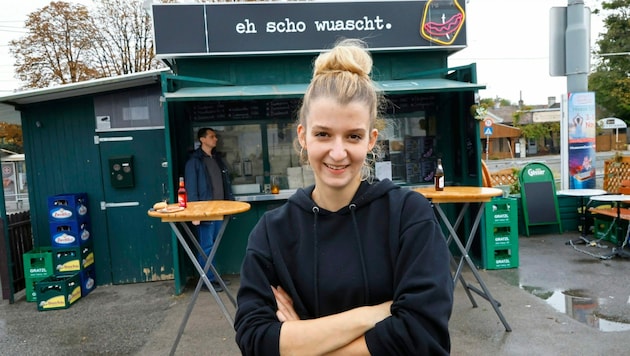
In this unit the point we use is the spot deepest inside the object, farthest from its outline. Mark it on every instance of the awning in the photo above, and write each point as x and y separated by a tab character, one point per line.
250	92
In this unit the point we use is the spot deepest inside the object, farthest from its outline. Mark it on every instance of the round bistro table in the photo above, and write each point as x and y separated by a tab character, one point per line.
465	195
213	210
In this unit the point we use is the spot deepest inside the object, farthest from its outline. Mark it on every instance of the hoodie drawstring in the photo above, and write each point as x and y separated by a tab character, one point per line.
315	261
352	208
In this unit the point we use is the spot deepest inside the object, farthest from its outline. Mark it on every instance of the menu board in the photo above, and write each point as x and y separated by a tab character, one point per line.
219	110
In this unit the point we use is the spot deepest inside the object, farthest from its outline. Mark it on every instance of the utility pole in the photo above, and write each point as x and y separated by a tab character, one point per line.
577	46
569	55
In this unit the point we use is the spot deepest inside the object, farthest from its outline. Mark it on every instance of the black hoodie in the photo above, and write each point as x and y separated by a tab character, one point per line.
385	245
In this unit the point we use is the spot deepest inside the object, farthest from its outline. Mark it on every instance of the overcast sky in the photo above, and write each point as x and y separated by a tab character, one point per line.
507	39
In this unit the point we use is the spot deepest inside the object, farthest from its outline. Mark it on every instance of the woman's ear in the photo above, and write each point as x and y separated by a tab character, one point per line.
373	138
301	134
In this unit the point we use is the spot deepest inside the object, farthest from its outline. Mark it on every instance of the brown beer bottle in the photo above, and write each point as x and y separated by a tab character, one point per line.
182	197
439	176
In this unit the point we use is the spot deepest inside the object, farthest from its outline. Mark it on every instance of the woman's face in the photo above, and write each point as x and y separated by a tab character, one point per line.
337	139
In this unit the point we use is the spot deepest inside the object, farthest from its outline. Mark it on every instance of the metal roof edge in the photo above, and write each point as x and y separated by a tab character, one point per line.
83	88
297	90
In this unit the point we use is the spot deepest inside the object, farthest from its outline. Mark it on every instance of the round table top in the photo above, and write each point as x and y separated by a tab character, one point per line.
611	197
201	210
581	192
460	194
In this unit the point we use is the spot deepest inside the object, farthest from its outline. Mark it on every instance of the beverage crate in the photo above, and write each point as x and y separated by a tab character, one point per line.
502	258
502	212
88	280
58	292
38	263
31	287
69	233
500	237
606	229
67	207
72	259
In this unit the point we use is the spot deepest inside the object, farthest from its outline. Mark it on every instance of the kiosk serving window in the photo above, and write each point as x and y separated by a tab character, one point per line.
409	147
252	160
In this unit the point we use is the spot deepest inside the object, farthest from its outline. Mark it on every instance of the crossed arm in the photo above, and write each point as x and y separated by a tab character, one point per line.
338	334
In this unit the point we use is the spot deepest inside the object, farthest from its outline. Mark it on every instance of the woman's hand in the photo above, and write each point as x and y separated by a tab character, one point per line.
285	305
337	334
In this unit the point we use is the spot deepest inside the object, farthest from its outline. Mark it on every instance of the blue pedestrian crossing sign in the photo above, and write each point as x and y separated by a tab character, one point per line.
487	131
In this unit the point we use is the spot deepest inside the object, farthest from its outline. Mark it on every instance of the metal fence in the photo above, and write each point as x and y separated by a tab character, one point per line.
18	242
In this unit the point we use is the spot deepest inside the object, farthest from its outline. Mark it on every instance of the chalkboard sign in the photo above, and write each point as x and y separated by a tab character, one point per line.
538	196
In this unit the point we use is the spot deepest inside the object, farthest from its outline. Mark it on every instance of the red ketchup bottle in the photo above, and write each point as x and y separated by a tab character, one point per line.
182	198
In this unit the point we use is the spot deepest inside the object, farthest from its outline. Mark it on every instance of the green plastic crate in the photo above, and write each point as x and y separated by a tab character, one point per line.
502	212
58	291
72	259
31	290
501	237
502	258
38	263
606	229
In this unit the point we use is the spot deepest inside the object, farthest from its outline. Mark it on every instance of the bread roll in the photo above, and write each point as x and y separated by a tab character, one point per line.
160	205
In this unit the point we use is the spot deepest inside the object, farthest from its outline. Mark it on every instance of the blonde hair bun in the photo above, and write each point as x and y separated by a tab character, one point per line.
349	55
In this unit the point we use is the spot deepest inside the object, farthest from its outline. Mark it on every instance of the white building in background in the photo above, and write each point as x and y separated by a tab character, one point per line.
14	181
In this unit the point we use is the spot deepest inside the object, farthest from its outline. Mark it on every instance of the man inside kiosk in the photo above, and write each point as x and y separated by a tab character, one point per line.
349	266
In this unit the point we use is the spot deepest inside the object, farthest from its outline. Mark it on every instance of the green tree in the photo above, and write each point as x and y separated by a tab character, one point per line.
611	78
11	137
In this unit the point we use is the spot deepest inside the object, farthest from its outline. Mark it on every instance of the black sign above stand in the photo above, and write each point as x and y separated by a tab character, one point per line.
538	195
306	27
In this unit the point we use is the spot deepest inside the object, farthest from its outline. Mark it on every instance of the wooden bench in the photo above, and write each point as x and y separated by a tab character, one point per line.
624	213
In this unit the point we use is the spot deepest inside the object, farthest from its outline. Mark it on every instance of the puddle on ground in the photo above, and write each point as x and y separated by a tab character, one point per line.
580	306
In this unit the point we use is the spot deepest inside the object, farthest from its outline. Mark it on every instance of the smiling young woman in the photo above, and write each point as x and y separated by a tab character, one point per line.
349	265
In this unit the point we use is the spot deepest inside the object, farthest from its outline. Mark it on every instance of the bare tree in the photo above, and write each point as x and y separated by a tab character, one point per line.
125	41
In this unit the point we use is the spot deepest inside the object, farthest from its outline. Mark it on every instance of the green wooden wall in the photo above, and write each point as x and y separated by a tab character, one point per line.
62	158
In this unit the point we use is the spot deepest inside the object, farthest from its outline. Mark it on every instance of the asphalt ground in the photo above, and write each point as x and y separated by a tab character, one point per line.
143	318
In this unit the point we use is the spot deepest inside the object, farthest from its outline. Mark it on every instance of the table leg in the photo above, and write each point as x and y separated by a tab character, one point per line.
620	252
485	292
202	279
213	252
582	239
454	263
193	240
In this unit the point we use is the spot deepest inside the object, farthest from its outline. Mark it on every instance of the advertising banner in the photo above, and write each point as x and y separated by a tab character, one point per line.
581	126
